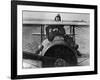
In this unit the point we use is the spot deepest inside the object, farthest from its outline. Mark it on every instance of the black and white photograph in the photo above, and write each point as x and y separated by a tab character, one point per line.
54	40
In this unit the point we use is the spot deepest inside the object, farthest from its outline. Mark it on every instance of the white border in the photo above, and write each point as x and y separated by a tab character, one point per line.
21	71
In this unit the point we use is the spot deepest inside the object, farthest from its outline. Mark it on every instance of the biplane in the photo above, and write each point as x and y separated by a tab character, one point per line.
56	52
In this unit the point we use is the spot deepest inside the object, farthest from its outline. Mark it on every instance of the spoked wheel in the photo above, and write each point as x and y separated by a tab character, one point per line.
62	55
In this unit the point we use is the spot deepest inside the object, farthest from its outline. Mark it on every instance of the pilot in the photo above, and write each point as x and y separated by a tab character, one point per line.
53	32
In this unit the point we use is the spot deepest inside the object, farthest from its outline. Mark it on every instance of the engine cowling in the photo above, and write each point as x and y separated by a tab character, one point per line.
64	54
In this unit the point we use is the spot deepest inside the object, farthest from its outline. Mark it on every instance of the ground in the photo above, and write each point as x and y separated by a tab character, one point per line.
82	61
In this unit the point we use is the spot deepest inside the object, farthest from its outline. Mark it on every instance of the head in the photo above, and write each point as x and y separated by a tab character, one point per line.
58	18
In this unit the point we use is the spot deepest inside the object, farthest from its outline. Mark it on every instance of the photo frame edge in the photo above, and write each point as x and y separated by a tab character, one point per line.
14	45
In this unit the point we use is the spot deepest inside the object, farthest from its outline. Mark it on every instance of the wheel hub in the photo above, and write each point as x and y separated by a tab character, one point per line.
60	62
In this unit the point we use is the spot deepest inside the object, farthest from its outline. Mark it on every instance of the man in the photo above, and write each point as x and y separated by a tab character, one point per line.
53	32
